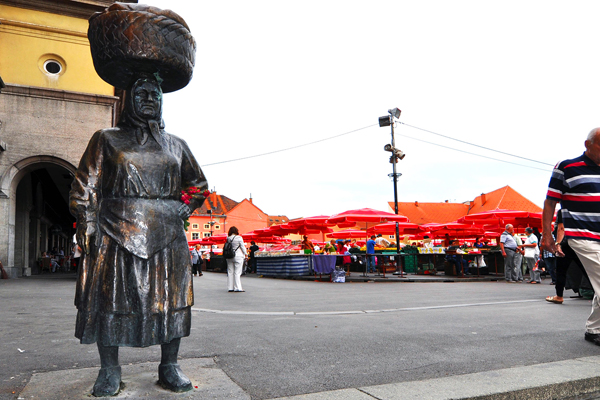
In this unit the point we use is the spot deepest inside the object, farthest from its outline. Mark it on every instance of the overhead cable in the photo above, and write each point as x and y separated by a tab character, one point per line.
420	140
474	154
475	145
290	148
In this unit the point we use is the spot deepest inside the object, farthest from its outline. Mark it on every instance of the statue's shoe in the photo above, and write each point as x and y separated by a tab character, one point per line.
171	377
108	382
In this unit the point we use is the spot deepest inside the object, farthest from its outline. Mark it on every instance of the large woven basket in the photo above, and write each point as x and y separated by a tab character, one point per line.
127	39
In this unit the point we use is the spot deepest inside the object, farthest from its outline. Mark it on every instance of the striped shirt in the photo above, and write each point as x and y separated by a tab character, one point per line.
575	184
508	240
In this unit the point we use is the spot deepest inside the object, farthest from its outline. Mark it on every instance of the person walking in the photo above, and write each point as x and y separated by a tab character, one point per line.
235	264
519	258
371	255
575	184
532	253
508	246
563	262
252	260
197	261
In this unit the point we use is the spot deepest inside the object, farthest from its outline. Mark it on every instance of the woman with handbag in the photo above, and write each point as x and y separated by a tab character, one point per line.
236	263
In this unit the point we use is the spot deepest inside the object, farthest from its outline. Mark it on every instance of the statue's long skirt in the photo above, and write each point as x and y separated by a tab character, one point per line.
124	300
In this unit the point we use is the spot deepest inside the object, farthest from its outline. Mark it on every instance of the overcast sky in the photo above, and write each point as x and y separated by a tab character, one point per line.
520	77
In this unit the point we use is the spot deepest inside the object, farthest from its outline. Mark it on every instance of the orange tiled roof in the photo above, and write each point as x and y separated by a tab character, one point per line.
424	213
505	198
218	203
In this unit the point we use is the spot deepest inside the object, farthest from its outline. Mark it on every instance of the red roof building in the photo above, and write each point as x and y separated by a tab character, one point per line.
219	213
505	198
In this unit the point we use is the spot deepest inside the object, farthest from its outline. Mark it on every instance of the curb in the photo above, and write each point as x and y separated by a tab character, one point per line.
555	380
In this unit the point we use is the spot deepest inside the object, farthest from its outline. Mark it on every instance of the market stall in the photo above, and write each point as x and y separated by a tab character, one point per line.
285	263
368	216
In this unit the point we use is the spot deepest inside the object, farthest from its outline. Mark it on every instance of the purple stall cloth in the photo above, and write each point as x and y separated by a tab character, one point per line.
323	264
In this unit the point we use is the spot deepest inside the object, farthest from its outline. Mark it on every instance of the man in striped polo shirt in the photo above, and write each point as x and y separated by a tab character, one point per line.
575	184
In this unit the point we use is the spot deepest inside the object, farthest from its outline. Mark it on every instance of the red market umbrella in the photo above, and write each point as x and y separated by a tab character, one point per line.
389	228
219	239
498	219
365	215
454	229
464	234
456	226
263	231
348	234
287	229
308	230
274	240
497	214
316	220
277	230
202	242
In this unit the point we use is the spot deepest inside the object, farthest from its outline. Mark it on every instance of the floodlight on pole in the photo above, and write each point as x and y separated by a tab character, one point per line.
384	121
395	112
388	120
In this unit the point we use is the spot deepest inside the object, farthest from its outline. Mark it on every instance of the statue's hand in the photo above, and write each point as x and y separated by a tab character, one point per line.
86	233
184	211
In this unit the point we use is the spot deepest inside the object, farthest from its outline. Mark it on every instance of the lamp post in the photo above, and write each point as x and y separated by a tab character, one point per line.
389	120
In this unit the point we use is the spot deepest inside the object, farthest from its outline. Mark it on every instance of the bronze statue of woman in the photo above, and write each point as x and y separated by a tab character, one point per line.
135	282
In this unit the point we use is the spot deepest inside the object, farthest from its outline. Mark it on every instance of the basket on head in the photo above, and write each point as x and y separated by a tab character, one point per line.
127	39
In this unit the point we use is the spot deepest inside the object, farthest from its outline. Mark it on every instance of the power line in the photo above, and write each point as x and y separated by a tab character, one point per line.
476	145
290	148
474	154
409	137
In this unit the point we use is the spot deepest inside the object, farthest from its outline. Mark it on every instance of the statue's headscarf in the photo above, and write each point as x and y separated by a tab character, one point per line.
144	127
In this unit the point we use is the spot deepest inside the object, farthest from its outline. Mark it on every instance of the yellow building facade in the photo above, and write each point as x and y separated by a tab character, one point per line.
47	50
51	103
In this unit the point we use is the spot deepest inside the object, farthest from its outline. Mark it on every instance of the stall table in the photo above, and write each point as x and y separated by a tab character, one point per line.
292	265
323	263
295	265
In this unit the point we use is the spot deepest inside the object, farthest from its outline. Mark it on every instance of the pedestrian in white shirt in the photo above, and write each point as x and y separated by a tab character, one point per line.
531	255
235	264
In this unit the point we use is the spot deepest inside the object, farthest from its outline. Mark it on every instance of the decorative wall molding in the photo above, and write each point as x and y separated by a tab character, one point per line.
29	91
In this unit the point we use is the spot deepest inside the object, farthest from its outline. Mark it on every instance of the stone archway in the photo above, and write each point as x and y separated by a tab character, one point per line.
34	201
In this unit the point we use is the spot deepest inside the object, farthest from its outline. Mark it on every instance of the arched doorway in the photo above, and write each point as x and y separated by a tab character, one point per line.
39	203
